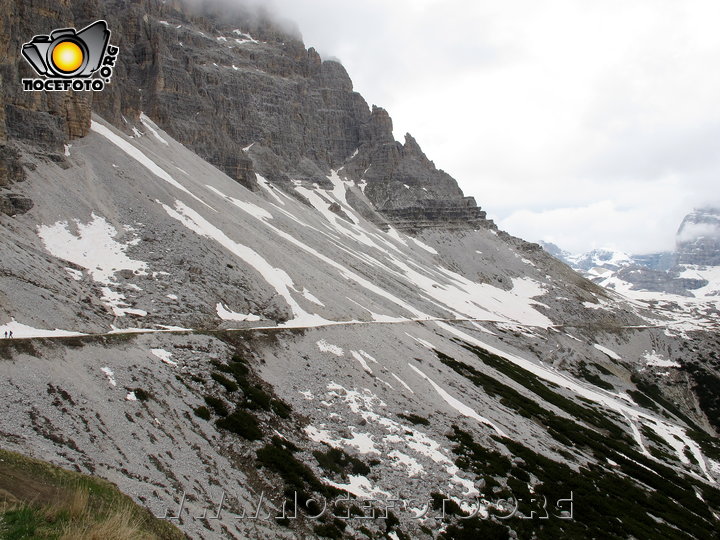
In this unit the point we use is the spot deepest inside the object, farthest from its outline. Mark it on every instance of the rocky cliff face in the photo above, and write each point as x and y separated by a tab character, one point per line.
45	118
276	109
404	185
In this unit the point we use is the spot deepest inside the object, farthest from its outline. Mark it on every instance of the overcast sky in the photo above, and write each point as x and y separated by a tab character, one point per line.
585	123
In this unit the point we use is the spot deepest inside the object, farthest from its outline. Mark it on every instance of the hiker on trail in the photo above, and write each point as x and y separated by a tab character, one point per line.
11	335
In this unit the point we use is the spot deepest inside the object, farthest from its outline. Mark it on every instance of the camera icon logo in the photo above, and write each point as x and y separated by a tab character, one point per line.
67	56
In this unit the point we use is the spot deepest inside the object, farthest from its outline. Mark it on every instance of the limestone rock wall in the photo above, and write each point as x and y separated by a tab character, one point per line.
43	118
239	90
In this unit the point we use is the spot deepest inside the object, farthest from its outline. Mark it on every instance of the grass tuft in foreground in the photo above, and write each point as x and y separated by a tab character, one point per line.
39	500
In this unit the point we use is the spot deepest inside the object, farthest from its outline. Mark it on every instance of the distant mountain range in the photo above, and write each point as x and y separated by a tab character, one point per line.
691	270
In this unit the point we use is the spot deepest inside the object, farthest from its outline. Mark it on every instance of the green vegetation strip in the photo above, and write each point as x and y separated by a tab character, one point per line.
639	498
41	501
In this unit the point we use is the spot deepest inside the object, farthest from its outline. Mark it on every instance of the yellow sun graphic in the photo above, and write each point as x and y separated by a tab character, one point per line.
67	56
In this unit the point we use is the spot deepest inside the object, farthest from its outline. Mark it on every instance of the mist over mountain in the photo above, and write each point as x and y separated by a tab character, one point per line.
698	238
233	294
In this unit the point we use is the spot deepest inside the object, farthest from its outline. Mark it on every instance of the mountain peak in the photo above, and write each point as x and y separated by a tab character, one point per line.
698	238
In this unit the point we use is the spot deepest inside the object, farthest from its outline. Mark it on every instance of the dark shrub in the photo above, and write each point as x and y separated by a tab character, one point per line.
217	405
141	394
241	423
202	412
229	385
415	419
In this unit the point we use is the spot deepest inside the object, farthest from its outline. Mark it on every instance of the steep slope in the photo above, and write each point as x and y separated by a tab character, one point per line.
219	345
187	246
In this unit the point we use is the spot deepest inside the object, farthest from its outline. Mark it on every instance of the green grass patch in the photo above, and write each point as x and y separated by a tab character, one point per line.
446	506
202	412
594	378
142	395
476	458
644	483
333	529
255	397
653	391
707	389
475	528
599	420
642	400
41	501
282	409
300	481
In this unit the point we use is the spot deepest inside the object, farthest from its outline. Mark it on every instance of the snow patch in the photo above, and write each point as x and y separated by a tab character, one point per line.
275	277
164	355
24	331
116	301
110	375
403	383
77	275
141	158
413	467
227	315
457	404
656	360
252	209
324	346
359	486
363	442
422	342
95	249
424	246
361	360
591	305
608	352
152	128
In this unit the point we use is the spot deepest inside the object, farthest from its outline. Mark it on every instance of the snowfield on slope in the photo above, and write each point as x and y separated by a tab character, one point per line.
95	248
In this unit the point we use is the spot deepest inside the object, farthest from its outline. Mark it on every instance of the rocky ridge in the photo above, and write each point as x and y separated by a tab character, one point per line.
277	109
